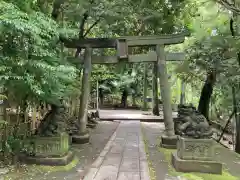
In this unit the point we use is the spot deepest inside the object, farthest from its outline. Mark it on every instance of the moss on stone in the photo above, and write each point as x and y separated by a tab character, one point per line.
60	168
188	176
26	172
194	176
150	167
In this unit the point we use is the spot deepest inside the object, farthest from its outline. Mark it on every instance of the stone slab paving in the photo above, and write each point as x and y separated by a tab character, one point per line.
123	157
131	115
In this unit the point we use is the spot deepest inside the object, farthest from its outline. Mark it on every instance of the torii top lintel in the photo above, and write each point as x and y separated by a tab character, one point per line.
130	41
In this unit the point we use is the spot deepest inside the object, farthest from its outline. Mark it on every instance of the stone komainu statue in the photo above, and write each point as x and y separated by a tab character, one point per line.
73	125
54	122
190	123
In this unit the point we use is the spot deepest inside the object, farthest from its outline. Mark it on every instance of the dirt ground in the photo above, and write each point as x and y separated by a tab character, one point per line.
85	155
159	165
230	159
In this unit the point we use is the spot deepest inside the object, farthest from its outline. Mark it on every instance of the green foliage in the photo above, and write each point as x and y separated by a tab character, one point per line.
207	51
30	65
13	145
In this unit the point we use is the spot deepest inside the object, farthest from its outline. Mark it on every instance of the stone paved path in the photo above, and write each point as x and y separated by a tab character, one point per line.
123	157
131	115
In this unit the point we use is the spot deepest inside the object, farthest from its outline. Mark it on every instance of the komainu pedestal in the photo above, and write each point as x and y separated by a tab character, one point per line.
50	143
169	142
196	155
48	151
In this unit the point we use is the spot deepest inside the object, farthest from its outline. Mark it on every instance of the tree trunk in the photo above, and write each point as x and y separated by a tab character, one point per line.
237	138
82	118
2	104
57	8
134	103
97	94
124	98
145	88
204	101
165	91
78	103
182	97
155	102
101	97
235	101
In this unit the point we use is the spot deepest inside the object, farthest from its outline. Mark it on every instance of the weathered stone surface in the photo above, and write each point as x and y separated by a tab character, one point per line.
196	165
92	119
81	139
112	159
112	115
169	142
131	153
142	156
90	125
196	155
174	178
195	149
91	173
190	123
72	126
130	164
48	146
143	165
51	161
108	145
97	163
145	175
55	121
106	172
129	175
121	157
117	149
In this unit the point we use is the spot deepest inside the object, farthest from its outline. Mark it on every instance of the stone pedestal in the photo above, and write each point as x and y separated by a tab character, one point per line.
97	114
169	142
196	155
47	151
81	138
91	125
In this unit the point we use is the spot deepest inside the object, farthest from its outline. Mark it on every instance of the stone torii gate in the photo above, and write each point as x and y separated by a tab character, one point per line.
151	56
179	56
122	44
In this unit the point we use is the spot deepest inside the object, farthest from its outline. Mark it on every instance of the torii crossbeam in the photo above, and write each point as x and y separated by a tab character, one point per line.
121	44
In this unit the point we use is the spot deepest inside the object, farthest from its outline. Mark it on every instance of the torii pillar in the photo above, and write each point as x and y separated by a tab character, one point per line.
169	139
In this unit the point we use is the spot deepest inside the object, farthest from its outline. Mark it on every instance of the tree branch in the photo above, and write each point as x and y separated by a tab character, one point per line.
81	28
81	31
234	33
56	8
91	27
230	6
